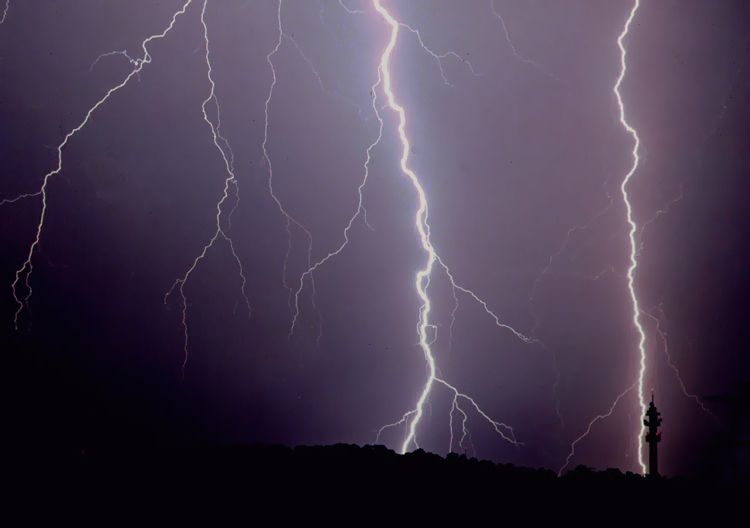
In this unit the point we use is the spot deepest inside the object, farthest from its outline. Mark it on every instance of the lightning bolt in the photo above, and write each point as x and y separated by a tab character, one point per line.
633	260
360	210
27	268
422	279
632	235
360	207
230	180
5	11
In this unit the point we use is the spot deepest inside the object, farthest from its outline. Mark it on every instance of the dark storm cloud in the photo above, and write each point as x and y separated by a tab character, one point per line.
511	160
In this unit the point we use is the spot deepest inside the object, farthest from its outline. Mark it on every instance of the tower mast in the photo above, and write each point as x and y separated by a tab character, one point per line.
653	437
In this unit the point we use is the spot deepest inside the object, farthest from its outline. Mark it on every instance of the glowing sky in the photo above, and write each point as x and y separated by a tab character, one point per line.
515	137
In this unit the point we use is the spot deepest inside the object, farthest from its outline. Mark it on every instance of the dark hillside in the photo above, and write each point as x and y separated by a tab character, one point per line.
348	482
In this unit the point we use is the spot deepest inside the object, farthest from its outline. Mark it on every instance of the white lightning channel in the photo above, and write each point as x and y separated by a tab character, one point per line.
632	235
27	267
420	220
5	11
230	180
422	278
360	206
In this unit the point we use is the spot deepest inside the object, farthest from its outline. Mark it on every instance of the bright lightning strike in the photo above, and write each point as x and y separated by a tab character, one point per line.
420	221
634	248
27	268
632	235
360	207
412	418
230	180
5	11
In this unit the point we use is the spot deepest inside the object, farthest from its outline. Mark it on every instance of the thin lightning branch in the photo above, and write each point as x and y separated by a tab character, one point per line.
722	114
503	430
229	180
412	418
402	421
341	3
632	234
538	281
714	128
518	55
591	424
320	81
664	210
124	53
453	321
436	56
289	219
5	11
519	335
17	198
439	58
455	407
360	209
510	42
663	337
27	267
553	257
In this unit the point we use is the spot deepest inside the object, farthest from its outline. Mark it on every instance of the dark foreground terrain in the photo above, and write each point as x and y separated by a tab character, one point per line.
346	485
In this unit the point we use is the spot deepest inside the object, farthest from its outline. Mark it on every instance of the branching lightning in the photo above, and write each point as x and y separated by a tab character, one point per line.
412	418
426	330
226	153
289	218
360	207
439	58
27	268
633	261
124	53
632	235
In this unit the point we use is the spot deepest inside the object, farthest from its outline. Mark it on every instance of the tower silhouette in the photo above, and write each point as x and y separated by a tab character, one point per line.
653	437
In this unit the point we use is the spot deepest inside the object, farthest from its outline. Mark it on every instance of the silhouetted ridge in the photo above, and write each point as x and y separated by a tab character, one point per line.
276	478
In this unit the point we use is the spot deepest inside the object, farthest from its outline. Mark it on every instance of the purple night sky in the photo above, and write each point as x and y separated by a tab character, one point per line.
516	145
